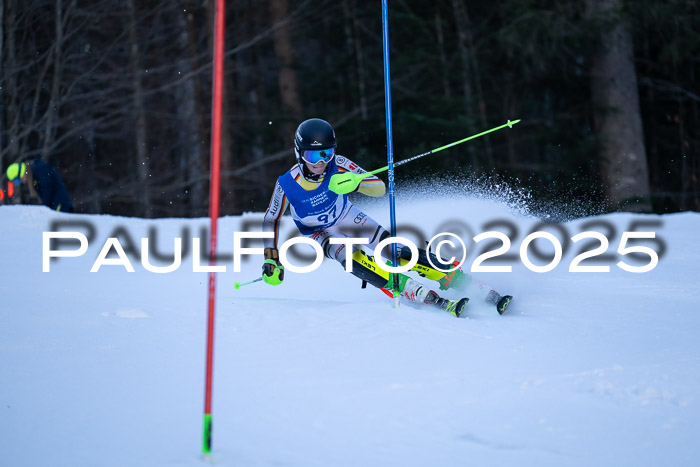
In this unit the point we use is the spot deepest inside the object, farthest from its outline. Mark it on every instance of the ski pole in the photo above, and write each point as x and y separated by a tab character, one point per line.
346	182
238	285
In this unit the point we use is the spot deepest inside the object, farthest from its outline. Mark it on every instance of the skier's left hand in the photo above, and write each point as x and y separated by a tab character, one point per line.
273	271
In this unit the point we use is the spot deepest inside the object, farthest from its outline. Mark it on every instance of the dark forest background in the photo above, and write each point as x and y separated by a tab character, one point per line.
117	96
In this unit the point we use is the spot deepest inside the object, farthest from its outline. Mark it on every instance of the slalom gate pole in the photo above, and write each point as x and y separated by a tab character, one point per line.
214	189
390	150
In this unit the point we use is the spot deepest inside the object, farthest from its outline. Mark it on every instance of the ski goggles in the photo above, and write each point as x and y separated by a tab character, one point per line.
314	156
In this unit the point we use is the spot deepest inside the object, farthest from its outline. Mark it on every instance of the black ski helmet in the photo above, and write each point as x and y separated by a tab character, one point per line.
313	133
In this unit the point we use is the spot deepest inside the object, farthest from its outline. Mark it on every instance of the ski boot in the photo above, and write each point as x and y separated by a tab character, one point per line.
454	307
414	291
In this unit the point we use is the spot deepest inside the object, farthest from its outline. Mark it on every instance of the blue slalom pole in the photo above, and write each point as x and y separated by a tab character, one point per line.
390	150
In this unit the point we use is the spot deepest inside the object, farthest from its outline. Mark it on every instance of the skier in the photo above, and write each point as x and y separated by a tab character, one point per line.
321	214
43	181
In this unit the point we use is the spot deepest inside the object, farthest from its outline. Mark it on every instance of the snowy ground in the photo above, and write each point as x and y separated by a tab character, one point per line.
107	368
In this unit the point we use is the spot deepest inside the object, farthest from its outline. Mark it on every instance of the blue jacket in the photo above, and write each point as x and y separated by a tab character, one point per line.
316	209
49	186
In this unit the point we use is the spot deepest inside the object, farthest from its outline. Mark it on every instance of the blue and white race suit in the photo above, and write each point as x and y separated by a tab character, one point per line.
321	214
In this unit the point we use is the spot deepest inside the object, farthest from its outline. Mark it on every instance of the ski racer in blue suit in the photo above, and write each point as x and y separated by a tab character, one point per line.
321	214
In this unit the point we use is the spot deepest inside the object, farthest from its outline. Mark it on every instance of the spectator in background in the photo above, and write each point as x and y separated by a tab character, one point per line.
43	182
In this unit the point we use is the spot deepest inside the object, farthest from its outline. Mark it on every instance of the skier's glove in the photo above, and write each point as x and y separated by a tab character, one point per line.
273	271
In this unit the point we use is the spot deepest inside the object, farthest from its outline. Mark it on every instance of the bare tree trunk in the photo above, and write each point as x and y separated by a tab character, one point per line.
694	179
258	101
684	161
286	77
477	82
349	98
49	130
509	108
228	196
3	164
189	148
614	90
186	109
441	47
470	64
9	85
142	169
94	187
354	48
360	57
458	7
55	98
197	163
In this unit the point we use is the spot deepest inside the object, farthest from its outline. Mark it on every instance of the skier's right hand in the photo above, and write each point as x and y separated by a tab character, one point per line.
273	271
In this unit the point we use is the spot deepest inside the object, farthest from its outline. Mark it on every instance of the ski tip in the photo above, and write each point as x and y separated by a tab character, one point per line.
503	304
511	123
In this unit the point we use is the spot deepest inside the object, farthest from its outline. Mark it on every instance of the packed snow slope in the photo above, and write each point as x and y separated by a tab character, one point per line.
106	368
